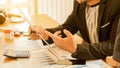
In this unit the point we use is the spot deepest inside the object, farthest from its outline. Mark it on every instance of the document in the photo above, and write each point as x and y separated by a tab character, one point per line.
47	57
59	53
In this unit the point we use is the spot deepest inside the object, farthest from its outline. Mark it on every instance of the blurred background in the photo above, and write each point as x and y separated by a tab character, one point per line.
56	9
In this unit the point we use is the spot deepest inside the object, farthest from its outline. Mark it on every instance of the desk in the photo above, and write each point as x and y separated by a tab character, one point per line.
22	42
25	44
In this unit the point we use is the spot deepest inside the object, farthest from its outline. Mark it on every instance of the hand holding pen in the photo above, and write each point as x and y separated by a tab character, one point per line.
40	30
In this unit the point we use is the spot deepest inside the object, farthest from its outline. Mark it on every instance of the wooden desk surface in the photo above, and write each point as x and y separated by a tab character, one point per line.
44	20
23	42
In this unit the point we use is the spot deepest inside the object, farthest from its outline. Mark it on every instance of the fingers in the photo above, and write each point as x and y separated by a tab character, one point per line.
50	34
67	33
54	36
34	36
38	31
58	33
38	28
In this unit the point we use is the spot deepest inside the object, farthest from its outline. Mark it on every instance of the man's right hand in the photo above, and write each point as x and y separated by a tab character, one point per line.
40	30
111	61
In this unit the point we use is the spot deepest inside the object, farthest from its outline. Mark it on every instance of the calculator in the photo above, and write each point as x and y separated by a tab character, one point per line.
16	53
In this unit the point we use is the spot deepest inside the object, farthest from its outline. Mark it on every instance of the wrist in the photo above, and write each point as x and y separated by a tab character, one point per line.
75	53
73	50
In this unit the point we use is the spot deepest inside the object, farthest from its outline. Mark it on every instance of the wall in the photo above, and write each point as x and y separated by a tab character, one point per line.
57	9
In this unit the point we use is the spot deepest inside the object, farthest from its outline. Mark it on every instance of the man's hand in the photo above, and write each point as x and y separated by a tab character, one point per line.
40	30
111	61
66	43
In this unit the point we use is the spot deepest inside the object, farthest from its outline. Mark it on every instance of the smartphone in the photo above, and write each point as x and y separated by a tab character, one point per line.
71	62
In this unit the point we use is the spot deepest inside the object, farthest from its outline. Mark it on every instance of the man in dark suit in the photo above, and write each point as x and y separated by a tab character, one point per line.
96	20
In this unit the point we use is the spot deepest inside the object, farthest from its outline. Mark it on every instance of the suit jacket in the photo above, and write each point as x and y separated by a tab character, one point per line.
116	53
107	26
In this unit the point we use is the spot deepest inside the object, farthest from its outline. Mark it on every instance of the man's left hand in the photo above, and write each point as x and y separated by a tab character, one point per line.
66	43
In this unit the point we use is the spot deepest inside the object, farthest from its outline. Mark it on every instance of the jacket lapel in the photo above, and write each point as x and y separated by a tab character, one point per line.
82	21
100	15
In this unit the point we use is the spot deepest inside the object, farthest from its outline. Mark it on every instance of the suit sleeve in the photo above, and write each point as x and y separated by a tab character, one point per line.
116	53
